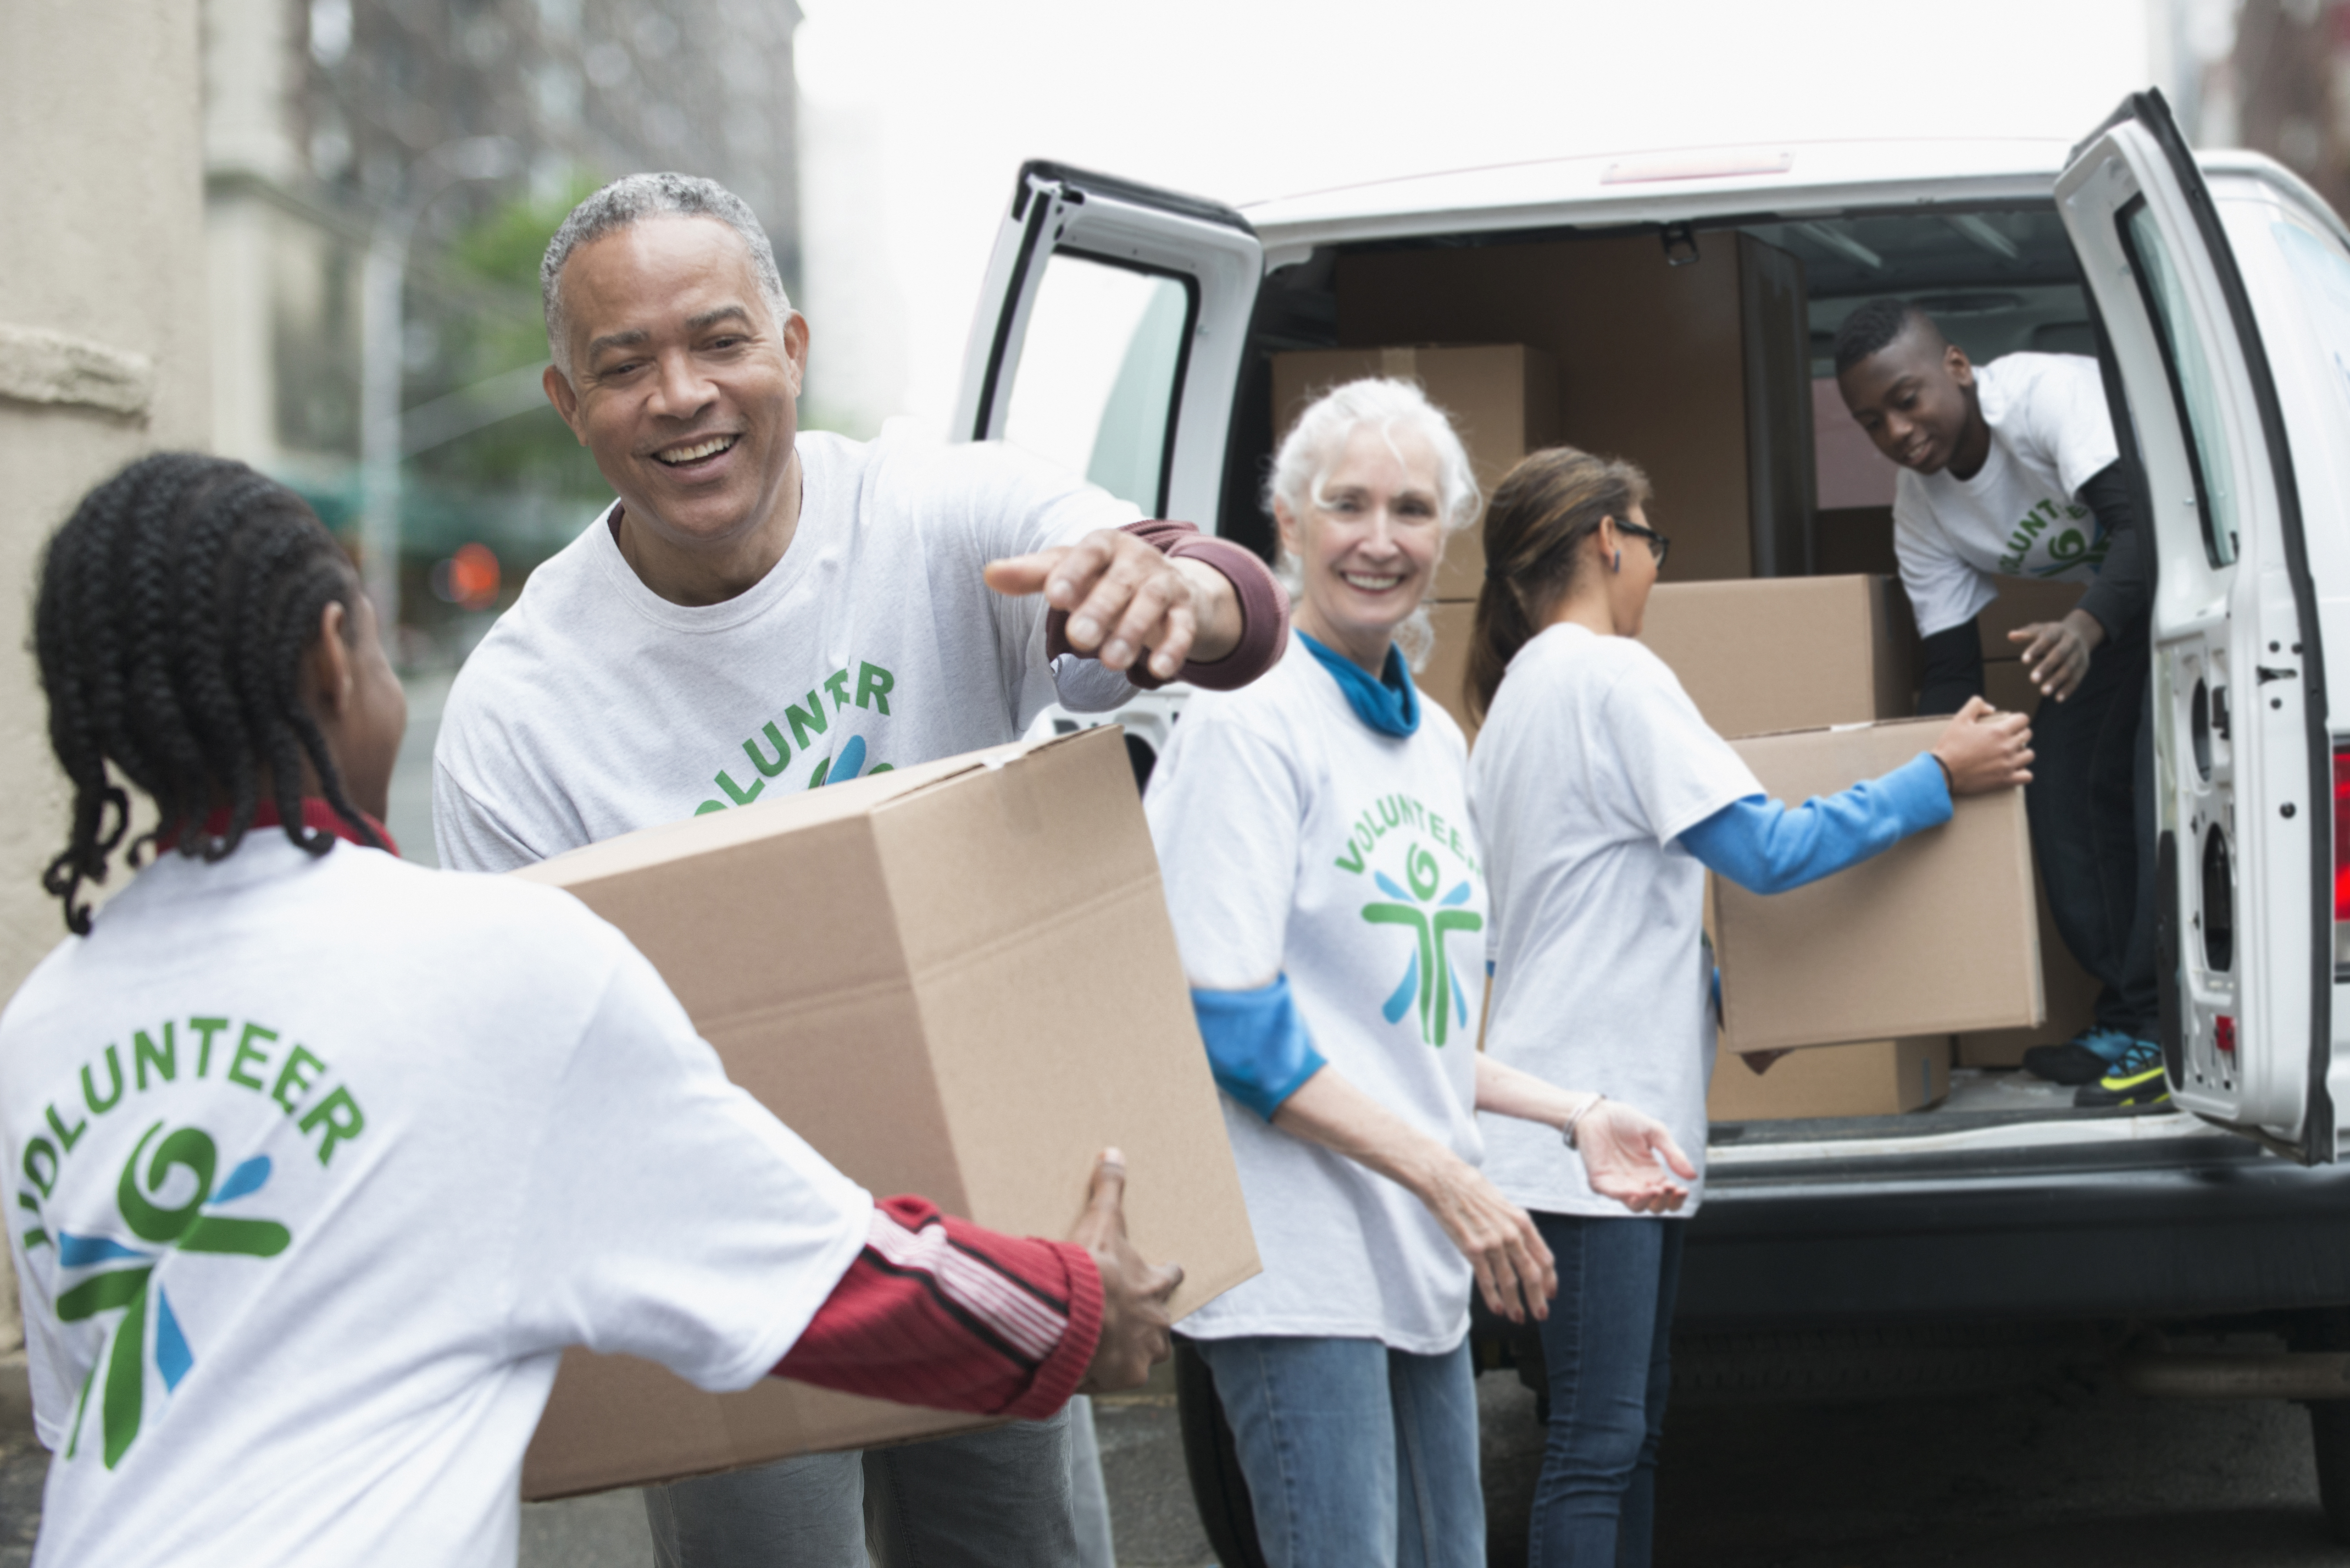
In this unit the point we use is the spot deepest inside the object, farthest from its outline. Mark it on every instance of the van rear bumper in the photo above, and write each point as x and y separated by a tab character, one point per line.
2210	1228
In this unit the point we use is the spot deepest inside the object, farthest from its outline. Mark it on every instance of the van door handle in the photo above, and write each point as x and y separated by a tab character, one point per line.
2267	675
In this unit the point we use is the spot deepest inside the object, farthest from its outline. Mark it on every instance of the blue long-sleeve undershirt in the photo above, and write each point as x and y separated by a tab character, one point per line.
1767	848
1257	1044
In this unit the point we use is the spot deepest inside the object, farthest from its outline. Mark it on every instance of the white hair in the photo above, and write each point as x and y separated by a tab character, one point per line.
1302	467
629	201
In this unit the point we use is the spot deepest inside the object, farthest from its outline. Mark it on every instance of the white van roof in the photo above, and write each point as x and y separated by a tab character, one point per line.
1664	185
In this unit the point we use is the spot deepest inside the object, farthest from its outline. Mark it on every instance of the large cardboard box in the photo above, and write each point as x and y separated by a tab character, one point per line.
1504	399
1786	653
1935	936
955	979
1878	1079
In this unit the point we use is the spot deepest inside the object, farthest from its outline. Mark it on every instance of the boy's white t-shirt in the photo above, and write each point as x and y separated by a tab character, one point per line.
594	707
2020	516
1296	839
1591	765
317	1166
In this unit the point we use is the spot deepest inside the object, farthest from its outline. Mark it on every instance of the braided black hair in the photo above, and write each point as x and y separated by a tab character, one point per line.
174	608
1872	328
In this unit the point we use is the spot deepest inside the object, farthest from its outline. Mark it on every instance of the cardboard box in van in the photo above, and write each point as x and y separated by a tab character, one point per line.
2022	602
957	980
1757	656
1877	1078
1936	936
1503	398
1771	654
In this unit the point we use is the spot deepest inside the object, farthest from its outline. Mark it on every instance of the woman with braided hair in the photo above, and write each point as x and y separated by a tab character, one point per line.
1602	799
321	1159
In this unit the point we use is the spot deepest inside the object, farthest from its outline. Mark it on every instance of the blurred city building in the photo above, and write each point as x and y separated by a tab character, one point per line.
2283	87
426	148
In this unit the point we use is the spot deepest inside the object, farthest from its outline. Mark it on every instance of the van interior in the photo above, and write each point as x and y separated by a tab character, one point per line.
1704	354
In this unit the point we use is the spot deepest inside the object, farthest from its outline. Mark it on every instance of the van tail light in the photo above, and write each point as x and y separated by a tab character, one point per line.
2223	1034
2341	833
2342	860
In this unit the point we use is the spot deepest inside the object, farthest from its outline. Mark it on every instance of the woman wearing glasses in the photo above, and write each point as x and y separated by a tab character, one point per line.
1329	899
1602	799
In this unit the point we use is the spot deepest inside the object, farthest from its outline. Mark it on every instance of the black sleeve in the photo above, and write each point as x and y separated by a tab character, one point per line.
1952	670
2120	597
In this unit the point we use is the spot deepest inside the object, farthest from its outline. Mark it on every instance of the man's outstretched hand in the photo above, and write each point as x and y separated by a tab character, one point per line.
1125	601
1135	1324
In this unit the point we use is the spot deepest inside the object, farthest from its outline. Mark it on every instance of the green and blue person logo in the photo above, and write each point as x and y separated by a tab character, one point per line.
1430	985
122	1274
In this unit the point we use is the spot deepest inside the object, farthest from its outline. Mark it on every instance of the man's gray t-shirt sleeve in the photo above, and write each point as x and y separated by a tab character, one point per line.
468	836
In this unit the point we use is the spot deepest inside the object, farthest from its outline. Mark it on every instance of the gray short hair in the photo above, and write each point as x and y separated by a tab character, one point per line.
1321	434
631	199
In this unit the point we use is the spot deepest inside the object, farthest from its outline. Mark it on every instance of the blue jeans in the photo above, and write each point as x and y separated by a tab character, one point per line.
1608	1345
997	1498
1357	1456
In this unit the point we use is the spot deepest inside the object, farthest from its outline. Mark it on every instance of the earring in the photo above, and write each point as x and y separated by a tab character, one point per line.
1617	564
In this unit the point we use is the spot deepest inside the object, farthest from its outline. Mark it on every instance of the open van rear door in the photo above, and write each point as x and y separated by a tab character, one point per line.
1109	336
2243	758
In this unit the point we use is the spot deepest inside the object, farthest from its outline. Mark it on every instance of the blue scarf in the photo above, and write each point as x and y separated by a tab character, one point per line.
1388	705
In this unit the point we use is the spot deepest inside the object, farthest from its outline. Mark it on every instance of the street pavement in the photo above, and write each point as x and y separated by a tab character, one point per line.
2058	1475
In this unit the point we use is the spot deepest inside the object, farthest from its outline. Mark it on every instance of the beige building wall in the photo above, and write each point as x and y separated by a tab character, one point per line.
102	350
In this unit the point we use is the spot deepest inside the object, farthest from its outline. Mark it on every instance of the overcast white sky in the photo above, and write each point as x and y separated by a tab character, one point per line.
916	114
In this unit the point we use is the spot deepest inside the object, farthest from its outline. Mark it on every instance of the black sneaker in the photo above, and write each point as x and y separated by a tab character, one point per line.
2137	1080
2084	1059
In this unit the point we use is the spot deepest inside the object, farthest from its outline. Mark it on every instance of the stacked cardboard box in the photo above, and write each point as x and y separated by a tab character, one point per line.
1503	399
885	964
1796	653
1873	1080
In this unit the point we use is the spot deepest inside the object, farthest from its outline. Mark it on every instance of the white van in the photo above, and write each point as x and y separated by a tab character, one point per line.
1690	298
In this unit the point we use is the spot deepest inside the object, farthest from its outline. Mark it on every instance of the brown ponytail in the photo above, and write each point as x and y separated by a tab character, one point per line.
1535	524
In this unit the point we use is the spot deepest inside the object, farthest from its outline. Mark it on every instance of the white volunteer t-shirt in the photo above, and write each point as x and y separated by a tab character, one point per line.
1591	765
1294	838
2020	516
595	707
318	1165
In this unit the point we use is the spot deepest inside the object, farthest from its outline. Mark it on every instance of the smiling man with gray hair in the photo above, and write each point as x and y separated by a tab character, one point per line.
763	609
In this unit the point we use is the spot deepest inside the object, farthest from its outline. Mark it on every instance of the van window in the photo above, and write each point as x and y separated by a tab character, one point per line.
1100	372
2193	385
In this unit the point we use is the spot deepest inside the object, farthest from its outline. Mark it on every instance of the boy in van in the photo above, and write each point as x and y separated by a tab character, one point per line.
2011	469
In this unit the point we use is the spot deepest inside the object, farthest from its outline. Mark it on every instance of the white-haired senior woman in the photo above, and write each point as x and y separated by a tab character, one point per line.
1329	899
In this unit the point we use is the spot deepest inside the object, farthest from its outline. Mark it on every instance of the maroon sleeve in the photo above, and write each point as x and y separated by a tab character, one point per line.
1264	609
940	1312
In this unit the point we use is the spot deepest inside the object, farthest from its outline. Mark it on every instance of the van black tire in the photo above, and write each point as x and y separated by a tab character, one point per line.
1219	1490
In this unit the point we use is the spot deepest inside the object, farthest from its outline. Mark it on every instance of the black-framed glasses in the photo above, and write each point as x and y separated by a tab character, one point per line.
1657	542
